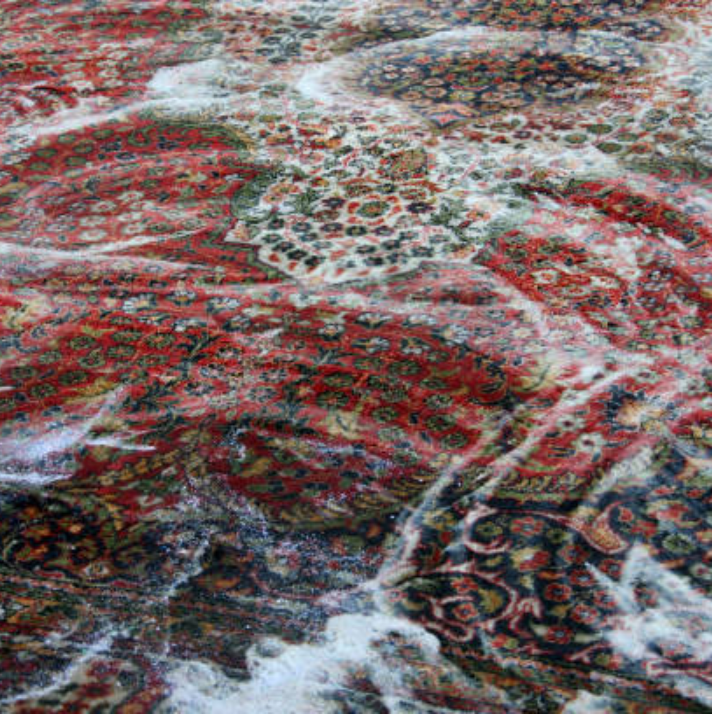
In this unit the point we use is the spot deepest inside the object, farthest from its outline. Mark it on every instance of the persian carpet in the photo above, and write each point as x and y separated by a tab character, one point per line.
354	356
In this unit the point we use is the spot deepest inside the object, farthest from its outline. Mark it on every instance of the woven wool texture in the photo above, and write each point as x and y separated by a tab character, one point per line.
354	356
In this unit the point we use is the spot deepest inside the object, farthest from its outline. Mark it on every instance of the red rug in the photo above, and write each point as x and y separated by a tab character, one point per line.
354	356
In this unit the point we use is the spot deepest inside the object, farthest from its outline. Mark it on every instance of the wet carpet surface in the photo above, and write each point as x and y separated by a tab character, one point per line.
354	356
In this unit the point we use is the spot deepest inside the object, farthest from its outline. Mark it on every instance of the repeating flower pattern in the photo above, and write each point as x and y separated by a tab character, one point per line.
309	306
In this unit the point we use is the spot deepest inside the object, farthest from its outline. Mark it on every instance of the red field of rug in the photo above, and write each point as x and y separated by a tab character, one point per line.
355	356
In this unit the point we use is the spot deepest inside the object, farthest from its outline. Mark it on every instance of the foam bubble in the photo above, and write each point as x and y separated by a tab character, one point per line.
306	675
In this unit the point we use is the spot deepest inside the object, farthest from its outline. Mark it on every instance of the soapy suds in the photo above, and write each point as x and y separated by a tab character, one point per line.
317	102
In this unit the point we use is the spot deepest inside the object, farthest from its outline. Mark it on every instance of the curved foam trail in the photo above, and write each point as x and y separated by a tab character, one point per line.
328	673
65	676
21	461
309	675
304	675
643	634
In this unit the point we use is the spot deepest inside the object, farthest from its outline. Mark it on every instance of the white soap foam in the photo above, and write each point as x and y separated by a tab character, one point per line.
308	675
588	703
308	678
302	675
22	460
64	676
646	634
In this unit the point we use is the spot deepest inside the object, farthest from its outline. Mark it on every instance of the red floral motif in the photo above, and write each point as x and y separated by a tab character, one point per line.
434	327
